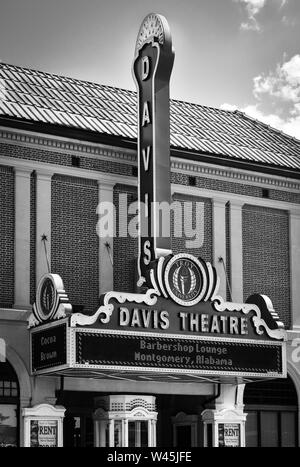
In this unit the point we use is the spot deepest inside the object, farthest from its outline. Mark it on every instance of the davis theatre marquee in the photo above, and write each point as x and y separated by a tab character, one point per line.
180	329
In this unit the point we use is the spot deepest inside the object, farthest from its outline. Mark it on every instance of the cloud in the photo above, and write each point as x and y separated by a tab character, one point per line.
289	22
226	106
283	84
253	8
292	69
277	98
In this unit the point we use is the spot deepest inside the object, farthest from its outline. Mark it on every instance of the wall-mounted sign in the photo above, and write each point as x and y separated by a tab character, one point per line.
152	68
203	314
229	435
162	315
49	347
43	433
43	425
164	353
178	326
51	301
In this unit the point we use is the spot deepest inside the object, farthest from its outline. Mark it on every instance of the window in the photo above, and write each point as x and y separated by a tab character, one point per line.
75	161
265	193
271	428
9	406
272	419
192	181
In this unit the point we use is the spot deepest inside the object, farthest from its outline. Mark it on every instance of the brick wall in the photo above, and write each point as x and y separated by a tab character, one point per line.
179	243
74	243
125	248
7	223
266	257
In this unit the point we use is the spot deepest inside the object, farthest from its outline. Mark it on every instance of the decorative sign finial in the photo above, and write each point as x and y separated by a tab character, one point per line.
152	68
153	28
51	302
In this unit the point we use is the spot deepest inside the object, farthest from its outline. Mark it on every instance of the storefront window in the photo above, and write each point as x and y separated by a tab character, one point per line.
272	409
269	429
288	427
9	406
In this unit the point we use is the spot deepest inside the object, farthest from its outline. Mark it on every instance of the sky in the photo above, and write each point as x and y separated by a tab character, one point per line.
229	54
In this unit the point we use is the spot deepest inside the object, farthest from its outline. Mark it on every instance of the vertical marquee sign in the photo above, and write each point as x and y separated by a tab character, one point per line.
152	68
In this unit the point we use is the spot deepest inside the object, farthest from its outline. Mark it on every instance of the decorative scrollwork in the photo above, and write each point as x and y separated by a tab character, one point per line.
259	323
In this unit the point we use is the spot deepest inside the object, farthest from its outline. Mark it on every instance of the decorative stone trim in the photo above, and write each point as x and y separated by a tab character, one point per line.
233	175
67	146
51	169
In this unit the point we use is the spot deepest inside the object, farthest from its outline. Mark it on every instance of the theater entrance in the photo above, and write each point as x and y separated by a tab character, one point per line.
132	420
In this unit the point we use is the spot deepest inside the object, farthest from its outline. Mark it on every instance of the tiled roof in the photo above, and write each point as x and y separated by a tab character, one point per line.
43	97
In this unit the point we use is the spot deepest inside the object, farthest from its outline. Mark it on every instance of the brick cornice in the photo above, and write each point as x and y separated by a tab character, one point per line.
48	170
67	146
233	175
127	156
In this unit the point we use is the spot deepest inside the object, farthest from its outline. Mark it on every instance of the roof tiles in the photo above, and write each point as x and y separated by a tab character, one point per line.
43	97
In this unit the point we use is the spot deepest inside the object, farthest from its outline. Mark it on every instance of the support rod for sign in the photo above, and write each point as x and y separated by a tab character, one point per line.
221	260
45	240
108	248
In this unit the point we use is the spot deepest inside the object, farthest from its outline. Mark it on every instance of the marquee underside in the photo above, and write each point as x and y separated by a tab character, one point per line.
155	377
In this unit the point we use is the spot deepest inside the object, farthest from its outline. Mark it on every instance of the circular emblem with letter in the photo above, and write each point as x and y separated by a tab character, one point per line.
185	279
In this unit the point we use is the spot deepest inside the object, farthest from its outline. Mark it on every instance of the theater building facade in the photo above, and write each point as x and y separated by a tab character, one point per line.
133	338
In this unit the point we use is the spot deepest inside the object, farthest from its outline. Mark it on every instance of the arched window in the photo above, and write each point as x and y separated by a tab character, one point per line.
272	408
9	406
